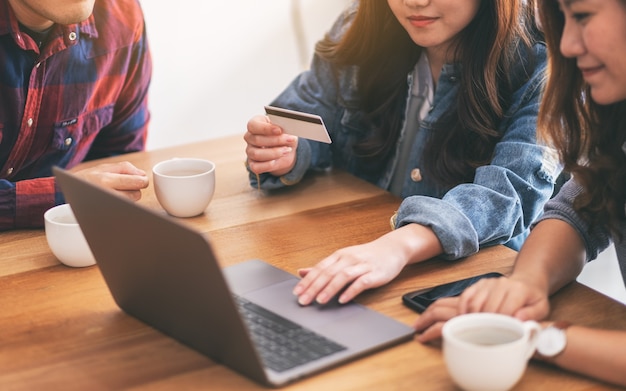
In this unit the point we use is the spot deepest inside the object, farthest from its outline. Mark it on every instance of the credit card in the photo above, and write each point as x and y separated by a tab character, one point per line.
309	126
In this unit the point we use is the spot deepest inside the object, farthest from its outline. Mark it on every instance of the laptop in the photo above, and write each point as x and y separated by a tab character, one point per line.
166	274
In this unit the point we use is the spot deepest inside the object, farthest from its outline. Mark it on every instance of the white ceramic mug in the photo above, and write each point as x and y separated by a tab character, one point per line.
485	351
184	186
65	238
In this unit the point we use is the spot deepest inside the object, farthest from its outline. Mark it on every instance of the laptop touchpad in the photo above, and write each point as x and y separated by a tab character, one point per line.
279	299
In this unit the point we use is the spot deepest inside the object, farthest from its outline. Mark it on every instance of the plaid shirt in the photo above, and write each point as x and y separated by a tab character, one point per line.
82	96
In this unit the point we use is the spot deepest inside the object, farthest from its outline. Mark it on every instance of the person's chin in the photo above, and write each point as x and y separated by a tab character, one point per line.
606	96
79	13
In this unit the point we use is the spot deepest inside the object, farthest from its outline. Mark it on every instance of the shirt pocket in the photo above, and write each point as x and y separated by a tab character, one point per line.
81	130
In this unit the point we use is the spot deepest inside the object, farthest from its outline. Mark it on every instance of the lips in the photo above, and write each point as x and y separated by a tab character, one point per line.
590	71
421	21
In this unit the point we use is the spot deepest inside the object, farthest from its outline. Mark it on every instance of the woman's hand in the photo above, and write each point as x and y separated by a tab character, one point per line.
509	296
366	266
503	295
359	267
269	149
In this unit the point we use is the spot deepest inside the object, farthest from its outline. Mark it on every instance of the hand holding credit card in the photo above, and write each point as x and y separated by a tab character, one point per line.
299	124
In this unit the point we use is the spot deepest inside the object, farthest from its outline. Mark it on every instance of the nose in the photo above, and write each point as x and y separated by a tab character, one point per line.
572	44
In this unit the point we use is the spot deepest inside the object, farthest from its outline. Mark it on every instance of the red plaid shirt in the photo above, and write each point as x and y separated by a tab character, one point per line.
82	96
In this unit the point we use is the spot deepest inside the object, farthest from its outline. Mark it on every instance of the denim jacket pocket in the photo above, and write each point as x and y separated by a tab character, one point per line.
74	131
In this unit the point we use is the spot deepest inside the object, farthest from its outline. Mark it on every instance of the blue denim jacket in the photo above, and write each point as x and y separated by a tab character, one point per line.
505	197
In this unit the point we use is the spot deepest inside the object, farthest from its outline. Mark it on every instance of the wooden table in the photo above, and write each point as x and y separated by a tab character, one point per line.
60	328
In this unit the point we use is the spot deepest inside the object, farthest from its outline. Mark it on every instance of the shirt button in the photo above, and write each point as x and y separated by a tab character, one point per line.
416	175
29	122
72	36
10	171
68	141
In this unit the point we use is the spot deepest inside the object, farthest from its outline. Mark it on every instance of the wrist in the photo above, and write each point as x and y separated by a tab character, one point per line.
417	242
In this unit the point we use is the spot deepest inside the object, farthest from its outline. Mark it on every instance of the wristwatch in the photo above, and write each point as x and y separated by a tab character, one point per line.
552	340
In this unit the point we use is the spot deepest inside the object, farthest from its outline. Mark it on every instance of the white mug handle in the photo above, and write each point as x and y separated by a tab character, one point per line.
531	333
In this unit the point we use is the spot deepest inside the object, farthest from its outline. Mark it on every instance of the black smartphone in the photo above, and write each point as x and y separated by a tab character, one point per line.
420	299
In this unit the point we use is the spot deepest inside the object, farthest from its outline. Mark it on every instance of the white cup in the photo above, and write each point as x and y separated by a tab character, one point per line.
485	351
184	186
65	238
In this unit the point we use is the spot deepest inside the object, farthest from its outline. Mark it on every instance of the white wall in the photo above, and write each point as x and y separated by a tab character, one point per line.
603	274
216	63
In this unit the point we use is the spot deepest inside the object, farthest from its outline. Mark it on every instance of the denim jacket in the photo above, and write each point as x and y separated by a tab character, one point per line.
498	207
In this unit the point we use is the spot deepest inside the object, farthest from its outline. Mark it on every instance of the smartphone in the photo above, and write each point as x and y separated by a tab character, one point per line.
420	299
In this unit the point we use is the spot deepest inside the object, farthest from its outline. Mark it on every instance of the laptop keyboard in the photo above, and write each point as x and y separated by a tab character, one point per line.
281	343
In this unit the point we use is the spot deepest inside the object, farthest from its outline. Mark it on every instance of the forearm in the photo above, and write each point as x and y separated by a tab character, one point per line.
552	256
416	242
597	353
